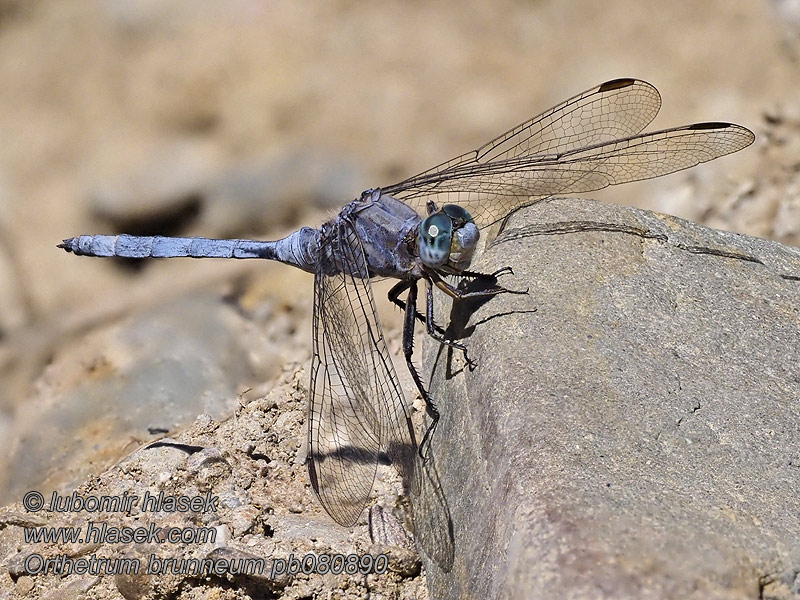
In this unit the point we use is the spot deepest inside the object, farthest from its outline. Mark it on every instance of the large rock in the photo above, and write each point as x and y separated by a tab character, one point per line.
632	428
129	381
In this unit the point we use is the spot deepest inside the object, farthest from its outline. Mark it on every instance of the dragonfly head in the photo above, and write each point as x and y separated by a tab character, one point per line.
447	236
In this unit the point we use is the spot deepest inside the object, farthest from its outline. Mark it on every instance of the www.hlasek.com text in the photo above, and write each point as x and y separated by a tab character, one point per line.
103	533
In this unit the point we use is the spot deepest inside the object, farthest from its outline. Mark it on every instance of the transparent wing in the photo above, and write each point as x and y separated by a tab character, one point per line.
585	143
356	405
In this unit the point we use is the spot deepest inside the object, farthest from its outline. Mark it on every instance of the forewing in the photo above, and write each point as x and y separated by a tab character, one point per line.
537	159
356	405
609	111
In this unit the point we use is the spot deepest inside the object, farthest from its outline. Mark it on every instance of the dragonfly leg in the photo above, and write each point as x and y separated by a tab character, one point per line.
394	298
432	327
507	270
491	290
408	351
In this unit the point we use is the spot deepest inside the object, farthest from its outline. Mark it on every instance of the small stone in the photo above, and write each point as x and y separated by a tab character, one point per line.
403	561
134	586
385	529
24	585
204	458
243	519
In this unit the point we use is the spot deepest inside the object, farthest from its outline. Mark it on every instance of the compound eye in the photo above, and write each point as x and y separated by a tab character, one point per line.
457	214
435	234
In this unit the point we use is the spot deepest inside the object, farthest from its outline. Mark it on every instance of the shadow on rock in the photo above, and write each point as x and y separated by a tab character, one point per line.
432	522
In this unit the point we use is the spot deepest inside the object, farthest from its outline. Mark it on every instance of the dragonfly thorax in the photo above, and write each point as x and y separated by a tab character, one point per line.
447	237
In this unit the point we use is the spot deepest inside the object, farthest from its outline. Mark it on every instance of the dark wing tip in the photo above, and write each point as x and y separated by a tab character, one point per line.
712	125
616	84
67	245
749	136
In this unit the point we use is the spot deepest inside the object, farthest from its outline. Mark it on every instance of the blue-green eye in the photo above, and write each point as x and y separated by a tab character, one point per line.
458	214
435	233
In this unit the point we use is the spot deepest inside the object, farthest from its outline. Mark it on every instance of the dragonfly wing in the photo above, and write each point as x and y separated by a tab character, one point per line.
356	407
647	155
609	111
492	190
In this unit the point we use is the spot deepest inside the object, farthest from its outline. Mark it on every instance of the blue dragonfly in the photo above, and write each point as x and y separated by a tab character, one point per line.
427	228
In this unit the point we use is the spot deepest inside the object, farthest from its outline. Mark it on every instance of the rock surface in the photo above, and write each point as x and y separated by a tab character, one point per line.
130	382
632	428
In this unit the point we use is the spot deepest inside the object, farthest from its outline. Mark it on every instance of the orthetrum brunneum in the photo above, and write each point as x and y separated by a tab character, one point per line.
425	228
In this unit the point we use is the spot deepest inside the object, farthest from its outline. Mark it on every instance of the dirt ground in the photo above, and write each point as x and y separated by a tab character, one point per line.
248	118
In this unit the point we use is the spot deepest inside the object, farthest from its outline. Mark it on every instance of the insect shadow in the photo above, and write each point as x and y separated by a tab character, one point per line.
433	521
462	310
433	524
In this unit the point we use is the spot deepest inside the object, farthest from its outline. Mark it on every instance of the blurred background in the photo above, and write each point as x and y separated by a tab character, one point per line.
250	118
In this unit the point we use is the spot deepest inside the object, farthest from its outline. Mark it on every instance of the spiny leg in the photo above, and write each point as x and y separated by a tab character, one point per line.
431	326
408	351
394	298
434	330
410	311
456	293
501	271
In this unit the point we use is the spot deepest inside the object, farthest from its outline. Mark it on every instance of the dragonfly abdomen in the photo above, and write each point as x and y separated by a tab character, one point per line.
295	249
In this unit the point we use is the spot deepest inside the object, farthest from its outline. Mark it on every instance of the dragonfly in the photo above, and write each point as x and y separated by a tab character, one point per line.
427	228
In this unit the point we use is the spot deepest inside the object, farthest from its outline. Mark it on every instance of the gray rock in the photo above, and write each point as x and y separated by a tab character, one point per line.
386	529
632	428
164	192
134	379
275	192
